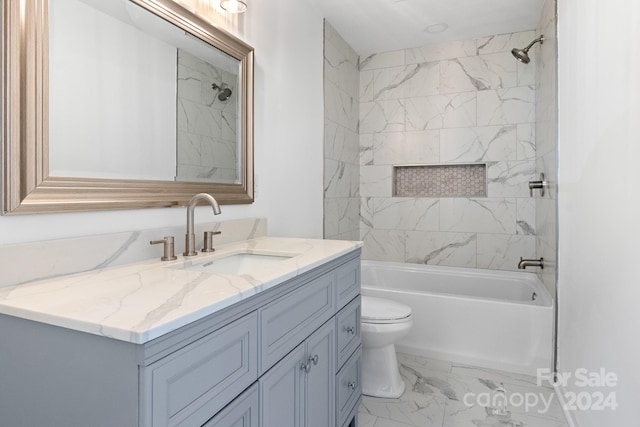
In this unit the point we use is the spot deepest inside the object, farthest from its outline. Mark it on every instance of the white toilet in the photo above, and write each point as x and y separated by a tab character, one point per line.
383	322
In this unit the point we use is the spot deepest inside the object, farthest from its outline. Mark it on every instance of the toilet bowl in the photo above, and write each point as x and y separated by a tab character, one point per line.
383	322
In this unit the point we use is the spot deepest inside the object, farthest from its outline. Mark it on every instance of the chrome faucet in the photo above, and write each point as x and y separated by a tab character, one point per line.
524	263
190	237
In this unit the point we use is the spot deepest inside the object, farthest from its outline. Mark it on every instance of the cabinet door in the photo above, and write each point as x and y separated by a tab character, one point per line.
282	393
242	412
320	384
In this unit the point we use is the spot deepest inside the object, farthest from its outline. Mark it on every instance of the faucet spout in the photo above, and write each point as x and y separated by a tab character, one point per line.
190	238
524	263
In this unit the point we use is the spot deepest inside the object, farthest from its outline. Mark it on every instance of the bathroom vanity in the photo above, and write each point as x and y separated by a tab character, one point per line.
200	341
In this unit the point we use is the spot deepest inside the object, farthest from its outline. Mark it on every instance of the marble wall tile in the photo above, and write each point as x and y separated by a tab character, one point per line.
504	42
336	180
383	245
332	37
382	116
375	181
341	143
476	144
406	81
341	138
406	147
366	149
340	107
474	73
341	67
440	51
526	146
382	60
506	106
441	111
547	142
366	86
478	215
510	179
399	213
466	101
503	251
366	213
527	72
526	216
438	248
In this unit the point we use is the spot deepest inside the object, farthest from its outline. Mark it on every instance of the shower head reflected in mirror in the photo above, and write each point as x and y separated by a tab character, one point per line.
522	55
224	92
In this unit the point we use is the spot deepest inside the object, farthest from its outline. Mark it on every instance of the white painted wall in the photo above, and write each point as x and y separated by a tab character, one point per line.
599	199
287	37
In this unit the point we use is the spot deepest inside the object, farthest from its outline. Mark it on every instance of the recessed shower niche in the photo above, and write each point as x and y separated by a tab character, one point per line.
459	180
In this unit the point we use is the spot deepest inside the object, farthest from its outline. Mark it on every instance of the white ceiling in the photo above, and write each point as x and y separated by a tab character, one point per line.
372	26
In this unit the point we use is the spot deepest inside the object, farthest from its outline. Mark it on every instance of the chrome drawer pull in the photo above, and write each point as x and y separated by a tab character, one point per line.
313	359
352	385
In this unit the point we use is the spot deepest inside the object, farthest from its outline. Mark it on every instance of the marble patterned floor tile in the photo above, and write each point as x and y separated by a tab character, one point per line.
457	414
366	420
424	362
443	394
412	408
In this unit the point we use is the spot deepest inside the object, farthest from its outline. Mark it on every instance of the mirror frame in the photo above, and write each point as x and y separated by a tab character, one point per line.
28	188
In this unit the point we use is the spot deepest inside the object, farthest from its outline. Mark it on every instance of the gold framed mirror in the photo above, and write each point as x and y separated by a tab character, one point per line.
31	185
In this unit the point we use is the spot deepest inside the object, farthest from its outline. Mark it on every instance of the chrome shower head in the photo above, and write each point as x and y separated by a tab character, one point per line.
224	92
522	55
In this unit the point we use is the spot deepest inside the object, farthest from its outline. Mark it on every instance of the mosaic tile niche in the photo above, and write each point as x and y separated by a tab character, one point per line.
469	180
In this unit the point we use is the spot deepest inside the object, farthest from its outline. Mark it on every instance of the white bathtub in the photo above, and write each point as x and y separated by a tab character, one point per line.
486	318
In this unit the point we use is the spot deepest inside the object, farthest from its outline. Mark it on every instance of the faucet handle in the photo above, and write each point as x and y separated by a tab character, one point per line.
208	240
169	248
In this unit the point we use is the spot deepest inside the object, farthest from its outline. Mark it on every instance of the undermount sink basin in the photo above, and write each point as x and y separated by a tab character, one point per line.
236	264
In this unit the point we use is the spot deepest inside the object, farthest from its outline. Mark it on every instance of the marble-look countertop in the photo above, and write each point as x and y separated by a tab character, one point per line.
142	301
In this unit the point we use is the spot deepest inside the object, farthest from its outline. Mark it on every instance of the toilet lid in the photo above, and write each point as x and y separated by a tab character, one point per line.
378	309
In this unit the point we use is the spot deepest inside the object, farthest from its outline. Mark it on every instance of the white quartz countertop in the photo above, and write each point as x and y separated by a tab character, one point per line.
142	301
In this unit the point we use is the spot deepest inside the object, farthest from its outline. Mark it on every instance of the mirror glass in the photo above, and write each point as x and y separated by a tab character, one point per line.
121	104
136	97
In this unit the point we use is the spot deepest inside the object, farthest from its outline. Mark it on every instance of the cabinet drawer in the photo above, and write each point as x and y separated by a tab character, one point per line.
348	282
287	321
242	412
189	386
348	321
348	387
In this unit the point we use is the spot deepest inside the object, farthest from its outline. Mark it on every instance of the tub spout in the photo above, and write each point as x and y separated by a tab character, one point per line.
524	263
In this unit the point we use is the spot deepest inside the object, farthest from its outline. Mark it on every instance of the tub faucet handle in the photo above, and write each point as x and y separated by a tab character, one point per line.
538	185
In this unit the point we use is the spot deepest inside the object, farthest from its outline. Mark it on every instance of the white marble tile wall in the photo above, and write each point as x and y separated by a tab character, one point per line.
546	133
341	143
41	260
461	102
206	125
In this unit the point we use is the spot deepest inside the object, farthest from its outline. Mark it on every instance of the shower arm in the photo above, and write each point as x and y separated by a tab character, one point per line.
539	39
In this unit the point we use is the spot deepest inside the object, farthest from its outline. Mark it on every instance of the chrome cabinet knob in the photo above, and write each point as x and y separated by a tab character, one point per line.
351	330
352	385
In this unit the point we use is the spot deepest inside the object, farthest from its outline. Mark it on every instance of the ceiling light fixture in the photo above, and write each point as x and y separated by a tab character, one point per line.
233	6
437	28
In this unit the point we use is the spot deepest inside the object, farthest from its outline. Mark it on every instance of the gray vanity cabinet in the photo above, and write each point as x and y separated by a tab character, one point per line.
286	357
299	390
